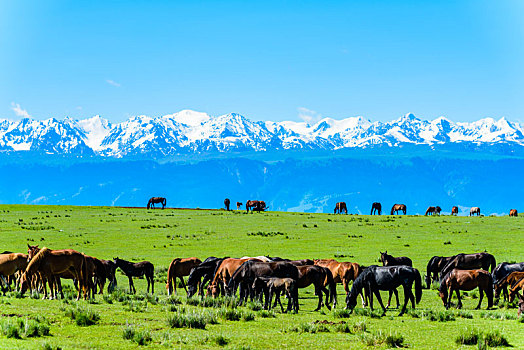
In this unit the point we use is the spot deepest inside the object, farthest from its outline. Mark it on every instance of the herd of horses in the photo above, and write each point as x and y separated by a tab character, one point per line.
340	207
264	278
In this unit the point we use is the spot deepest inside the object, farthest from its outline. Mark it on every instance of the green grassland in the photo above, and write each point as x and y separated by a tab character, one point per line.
161	235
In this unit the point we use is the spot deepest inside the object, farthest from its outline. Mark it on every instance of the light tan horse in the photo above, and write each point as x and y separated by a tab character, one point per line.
343	272
474	211
49	263
12	263
180	268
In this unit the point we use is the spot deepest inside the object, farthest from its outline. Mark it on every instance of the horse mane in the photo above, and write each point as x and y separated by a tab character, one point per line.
37	259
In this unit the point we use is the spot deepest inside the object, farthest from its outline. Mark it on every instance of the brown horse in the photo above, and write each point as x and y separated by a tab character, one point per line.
430	211
398	207
317	276
513	212
467	280
255	205
509	280
454	210
343	272
376	207
239	204
49	263
153	200
474	211
519	286
226	203
180	268
223	274
463	261
340	207
12	263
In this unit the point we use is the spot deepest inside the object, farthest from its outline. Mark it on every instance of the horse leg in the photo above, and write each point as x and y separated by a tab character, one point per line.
318	292
183	283
407	296
459	304
131	286
480	298
152	278
379	298
326	293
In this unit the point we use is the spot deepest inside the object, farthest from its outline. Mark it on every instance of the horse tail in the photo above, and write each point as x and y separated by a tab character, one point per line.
493	262
149	204
83	276
164	202
332	286
171	276
418	285
428	270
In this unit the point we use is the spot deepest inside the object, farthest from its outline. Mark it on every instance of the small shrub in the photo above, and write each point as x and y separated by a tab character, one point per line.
190	320
141	337
266	314
83	316
220	340
495	339
342	313
464	314
34	328
392	340
468	337
343	328
248	316
230	314
47	346
11	330
254	305
309	328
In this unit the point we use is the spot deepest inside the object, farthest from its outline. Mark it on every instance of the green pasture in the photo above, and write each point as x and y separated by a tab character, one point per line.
161	235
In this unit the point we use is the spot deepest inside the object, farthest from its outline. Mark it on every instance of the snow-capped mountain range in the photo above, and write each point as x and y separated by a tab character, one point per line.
190	132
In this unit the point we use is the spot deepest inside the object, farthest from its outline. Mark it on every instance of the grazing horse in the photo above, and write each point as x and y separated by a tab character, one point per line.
343	272
376	278
255	205
138	269
509	280
180	268
48	263
223	274
430	211
201	274
153	200
435	266
513	212
245	275
390	260
376	207
226	203
269	286
515	288
454	210
10	264
317	276
398	207
503	269
340	207
110	268
474	210
463	261
239	205
457	280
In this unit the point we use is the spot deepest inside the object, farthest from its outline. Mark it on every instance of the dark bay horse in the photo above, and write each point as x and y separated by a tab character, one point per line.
513	212
435	266
269	286
463	261
433	210
376	278
138	269
398	207
110	267
226	203
474	211
390	260
340	207
153	200
317	276
376	208
178	269
255	205
457	280
454	210
202	274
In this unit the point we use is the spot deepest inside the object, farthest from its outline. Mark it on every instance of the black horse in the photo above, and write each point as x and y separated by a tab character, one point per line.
245	275
153	200
376	207
463	261
390	260
227	202
138	269
435	266
376	278
201	274
110	268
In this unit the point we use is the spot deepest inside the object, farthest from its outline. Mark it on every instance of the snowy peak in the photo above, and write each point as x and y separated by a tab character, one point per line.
190	132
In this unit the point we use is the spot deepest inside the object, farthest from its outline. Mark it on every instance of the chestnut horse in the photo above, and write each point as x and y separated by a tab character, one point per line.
341	207
509	280
454	210
226	203
239	204
467	280
376	207
398	207
343	272
49	263
153	200
223	274
474	210
11	263
179	268
255	205
513	212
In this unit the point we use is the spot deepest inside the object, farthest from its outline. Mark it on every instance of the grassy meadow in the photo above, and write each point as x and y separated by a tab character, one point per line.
123	321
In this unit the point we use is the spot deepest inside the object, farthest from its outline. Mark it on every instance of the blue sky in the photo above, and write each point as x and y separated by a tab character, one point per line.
266	60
